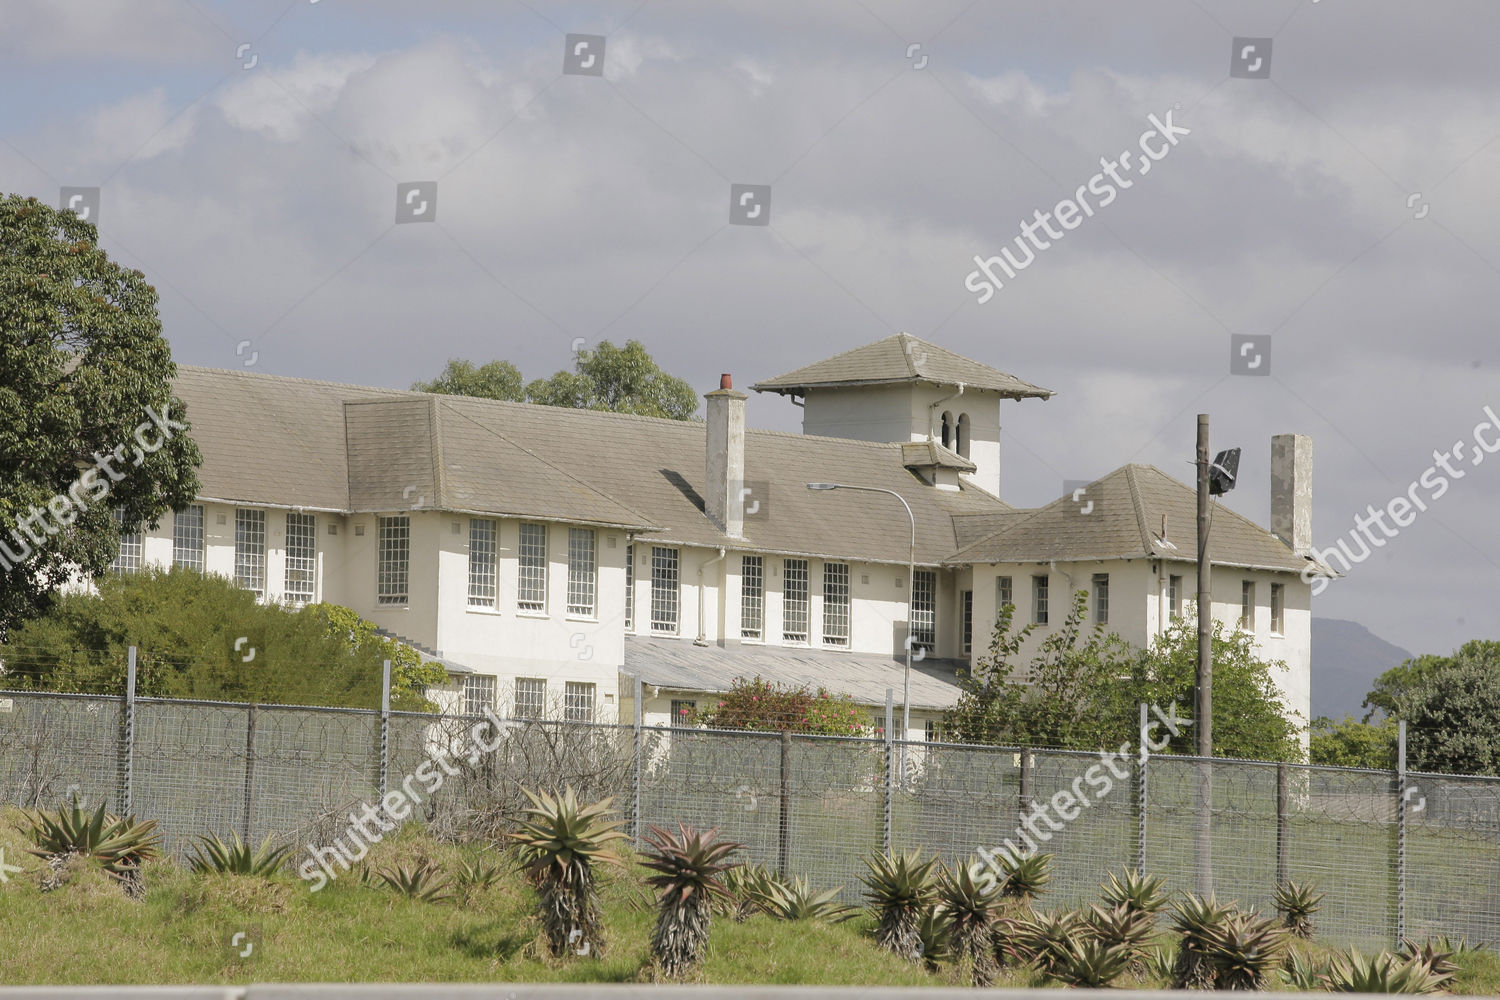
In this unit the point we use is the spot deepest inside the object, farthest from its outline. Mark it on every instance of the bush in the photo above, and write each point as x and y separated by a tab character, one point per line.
767	706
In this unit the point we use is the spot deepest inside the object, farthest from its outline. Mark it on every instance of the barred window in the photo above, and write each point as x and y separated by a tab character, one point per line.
1247	605
132	546
752	597
531	697
1101	598
932	731
924	609
479	694
531	568
1039	587
394	553
682	712
301	556
578	702
968	600
1278	608
630	588
836	604
794	600
582	571
250	550
664	594
483	570
1003	592
187	537
1174	596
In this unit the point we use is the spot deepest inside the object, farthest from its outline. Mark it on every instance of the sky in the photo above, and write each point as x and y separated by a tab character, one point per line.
1327	201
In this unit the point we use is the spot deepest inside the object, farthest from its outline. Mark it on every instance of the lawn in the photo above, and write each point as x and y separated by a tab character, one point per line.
88	932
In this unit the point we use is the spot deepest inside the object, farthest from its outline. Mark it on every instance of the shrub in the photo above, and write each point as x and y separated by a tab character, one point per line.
767	706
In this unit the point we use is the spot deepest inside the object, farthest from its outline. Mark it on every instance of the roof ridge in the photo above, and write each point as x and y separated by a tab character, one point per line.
1140	510
435	438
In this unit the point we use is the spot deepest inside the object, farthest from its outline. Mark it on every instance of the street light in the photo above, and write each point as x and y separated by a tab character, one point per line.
911	566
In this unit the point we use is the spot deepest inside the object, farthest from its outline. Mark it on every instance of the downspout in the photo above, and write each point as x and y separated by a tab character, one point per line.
702	639
1054	569
932	409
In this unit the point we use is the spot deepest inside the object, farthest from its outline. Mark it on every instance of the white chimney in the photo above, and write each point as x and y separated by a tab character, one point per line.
1291	491
724	460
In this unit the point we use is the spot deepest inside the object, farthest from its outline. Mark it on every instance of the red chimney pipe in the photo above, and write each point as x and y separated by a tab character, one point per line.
725	382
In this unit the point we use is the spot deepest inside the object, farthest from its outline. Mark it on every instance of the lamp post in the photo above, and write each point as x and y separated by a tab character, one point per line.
911	568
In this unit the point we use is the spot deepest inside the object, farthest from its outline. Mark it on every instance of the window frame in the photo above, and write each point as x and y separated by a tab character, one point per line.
966	613
530	703
577	707
1041	598
1278	609
183	532
753	597
484	564
666	590
301	556
392	560
1247	605
630	588
131	555
491	686
583	573
796	603
531	568
1174	596
1099	585
921	610
250	553
837	611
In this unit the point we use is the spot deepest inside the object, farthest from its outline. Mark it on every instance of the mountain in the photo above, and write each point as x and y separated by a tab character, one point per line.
1346	659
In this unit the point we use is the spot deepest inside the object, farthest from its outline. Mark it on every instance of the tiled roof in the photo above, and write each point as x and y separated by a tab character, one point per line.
901	358
1120	517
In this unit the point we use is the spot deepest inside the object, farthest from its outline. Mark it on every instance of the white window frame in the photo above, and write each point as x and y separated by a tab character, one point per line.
531	698
187	537
1041	597
630	588
579	699
484	563
753	597
666	599
795	601
966	602
250	550
583	573
1278	609
132	546
479	693
1100	586
1004	593
836	605
531	568
1247	605
923	610
392	560
300	575
1174	595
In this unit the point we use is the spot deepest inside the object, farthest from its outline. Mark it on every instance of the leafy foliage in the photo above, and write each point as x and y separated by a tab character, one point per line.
81	358
689	866
210	854
769	706
619	379
1352	743
558	844
188	626
1452	709
900	887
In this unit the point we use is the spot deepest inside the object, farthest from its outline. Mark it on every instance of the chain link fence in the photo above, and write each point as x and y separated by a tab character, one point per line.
1396	852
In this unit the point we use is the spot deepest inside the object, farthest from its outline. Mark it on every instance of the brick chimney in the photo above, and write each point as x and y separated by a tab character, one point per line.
724	459
1291	491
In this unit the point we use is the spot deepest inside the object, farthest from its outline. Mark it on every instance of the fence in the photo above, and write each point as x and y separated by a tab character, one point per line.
1397	853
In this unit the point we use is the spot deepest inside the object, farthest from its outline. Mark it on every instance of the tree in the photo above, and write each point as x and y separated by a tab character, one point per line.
770	707
496	380
618	379
1452	710
1352	743
88	421
200	636
1393	685
1084	688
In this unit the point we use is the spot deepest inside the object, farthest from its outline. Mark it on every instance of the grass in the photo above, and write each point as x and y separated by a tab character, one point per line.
88	932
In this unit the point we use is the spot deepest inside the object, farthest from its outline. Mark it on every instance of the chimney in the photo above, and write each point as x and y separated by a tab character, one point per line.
1291	491
724	459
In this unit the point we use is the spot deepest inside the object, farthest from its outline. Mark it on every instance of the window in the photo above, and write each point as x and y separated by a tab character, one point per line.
794	600
394	546
752	597
630	588
250	550
1101	598
924	609
947	429
932	732
132	546
582	572
301	557
531	568
1174	596
682	712
1003	594
663	589
483	572
578	702
531	697
187	537
968	636
1247	605
1278	608
1039	599
963	435
836	604
479	694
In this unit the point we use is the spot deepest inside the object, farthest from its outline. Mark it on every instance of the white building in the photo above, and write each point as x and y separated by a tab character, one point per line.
551	557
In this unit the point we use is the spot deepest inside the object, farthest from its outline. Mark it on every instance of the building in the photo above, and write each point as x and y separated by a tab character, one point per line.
557	560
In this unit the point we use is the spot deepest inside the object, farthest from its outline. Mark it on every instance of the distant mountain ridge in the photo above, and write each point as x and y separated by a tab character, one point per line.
1346	659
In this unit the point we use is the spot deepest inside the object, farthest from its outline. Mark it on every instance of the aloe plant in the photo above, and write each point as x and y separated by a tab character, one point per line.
213	856
1026	875
1245	951
900	887
1297	902
120	844
1141	893
1196	921
1382	973
689	866
423	881
974	906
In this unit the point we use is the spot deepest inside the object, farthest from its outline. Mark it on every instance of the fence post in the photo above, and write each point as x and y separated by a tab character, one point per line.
1023	799
385	726
127	751
1142	772
890	762
635	786
250	720
784	839
1283	826
1400	831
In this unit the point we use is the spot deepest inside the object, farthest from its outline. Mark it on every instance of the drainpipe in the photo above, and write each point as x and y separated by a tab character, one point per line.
702	639
932	409
1053	568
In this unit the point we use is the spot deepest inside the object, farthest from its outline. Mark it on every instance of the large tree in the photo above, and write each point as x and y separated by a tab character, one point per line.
200	636
619	379
1451	705
88	422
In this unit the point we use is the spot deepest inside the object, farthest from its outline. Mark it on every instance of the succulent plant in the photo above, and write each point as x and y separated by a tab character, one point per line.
120	844
1245	951
689	866
1297	902
212	855
1382	973
1196	920
1026	875
1142	893
558	844
973	906
900	887
423	881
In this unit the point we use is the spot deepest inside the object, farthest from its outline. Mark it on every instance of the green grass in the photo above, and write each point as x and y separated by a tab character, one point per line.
89	933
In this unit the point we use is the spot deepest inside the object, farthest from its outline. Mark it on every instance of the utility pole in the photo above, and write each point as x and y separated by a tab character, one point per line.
1203	711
